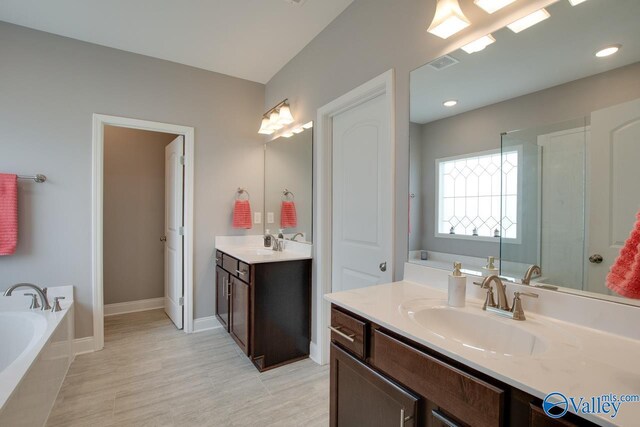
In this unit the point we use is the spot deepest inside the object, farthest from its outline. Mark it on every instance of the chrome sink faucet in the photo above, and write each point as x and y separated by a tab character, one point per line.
516	312
42	292
501	289
534	269
296	235
276	244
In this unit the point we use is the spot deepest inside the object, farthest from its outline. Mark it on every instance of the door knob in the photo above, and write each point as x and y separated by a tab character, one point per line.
596	259
163	238
383	266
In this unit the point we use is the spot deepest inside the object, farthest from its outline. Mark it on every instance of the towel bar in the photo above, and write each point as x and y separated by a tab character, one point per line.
39	178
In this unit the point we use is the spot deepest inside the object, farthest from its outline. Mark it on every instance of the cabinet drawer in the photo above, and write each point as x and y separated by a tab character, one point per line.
230	264
473	401
219	258
348	332
243	271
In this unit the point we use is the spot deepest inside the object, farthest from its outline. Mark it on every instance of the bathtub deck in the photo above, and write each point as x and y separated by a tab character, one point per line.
149	373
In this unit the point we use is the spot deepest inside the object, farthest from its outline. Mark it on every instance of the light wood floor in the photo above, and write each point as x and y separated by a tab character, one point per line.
151	374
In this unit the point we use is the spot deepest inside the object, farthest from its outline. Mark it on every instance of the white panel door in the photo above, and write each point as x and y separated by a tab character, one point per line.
173	223
614	177
362	248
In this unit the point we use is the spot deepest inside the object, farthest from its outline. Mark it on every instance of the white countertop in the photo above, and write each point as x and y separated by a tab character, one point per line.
579	361
250	249
256	255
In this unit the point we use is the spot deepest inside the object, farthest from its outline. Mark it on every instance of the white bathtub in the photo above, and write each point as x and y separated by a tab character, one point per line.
35	354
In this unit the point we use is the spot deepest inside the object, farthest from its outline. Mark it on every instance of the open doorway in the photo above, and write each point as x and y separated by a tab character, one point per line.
142	214
142	220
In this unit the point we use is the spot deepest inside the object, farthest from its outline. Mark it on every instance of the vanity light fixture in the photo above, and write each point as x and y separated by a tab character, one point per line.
287	134
448	19
491	6
308	125
576	2
276	118
608	51
529	20
478	45
265	127
298	130
450	103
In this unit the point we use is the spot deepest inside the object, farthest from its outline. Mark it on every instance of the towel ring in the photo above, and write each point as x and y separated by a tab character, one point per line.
288	195
240	192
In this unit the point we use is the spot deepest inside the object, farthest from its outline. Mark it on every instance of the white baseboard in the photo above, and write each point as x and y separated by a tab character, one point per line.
133	306
206	324
83	345
313	352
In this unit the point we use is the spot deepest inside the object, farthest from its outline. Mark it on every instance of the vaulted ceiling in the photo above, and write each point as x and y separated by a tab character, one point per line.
250	39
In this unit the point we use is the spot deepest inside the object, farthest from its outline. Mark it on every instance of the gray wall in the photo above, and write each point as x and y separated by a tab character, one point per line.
49	88
133	214
416	187
480	130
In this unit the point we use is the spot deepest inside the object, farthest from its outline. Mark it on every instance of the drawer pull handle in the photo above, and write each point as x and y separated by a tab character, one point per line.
242	273
224	287
443	418
342	334
403	419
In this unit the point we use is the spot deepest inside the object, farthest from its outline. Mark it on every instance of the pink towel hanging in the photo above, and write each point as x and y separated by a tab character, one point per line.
624	276
242	214
8	213
288	215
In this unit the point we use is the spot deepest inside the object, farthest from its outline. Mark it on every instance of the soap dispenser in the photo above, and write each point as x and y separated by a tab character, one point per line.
267	239
490	267
457	286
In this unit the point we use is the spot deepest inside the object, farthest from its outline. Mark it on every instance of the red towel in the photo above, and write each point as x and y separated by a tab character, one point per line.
242	214
288	216
8	213
624	276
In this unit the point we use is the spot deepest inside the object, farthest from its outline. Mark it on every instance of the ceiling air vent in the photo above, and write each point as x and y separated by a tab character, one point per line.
443	62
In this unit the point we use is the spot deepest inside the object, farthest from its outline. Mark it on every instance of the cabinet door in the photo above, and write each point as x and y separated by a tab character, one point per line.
362	397
222	297
239	326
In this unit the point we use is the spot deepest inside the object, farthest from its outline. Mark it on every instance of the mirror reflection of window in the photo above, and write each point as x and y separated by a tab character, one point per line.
564	192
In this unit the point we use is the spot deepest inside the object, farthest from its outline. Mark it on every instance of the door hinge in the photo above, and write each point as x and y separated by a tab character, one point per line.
181	301
181	231
182	160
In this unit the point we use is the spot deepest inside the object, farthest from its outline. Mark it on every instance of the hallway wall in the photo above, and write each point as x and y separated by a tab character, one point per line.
134	171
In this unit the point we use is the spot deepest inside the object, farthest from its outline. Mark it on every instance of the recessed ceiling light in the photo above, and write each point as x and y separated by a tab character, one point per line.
529	20
491	6
448	19
608	51
478	45
450	103
576	2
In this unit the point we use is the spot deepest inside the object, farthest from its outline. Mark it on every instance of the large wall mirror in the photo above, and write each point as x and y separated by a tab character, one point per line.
529	151
288	186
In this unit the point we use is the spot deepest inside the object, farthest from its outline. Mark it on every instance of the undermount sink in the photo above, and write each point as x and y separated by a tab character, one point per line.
257	251
477	331
264	251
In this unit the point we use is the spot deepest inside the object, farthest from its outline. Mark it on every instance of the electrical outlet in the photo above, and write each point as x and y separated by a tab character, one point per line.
270	218
257	217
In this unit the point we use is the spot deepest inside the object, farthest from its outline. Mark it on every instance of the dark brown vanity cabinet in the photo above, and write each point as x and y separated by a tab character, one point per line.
266	308
381	379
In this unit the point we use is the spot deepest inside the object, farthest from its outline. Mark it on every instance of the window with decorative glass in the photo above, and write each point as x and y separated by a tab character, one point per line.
477	196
